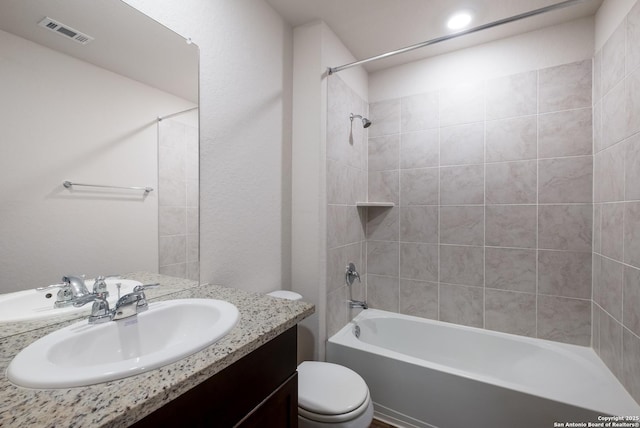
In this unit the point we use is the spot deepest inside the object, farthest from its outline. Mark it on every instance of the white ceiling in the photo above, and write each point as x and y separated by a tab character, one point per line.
373	27
126	42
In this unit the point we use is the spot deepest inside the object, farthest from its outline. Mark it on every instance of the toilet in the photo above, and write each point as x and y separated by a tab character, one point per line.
330	395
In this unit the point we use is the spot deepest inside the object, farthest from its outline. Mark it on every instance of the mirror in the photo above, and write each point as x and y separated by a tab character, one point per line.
83	86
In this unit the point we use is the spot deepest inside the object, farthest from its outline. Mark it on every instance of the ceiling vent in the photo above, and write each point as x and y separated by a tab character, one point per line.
65	30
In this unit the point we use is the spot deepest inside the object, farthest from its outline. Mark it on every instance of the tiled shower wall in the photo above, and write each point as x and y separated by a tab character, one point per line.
616	249
346	185
178	199
493	190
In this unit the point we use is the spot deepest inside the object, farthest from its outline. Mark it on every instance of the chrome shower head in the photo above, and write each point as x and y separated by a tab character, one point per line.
365	122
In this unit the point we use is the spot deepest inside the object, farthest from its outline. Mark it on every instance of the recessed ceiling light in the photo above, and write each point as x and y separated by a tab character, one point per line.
459	20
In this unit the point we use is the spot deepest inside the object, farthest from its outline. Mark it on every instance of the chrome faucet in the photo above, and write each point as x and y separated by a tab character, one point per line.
350	276
358	304
127	306
71	288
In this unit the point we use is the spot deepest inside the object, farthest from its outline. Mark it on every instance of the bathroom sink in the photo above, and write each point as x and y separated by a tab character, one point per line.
84	354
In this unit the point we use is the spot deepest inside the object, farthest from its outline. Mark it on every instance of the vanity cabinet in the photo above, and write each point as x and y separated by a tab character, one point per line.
259	390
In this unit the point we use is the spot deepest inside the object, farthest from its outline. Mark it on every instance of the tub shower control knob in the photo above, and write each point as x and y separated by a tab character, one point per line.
351	274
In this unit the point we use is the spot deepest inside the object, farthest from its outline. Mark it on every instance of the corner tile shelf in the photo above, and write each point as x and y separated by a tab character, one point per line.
375	204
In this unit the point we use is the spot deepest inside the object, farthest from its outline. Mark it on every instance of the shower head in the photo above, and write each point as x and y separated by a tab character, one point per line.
365	122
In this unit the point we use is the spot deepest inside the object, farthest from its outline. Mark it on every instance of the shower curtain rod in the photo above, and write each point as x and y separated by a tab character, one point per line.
459	34
161	118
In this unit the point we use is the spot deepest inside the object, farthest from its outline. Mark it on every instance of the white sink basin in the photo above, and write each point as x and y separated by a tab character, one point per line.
83	354
33	304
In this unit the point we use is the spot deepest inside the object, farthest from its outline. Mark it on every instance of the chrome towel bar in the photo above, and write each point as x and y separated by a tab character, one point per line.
68	185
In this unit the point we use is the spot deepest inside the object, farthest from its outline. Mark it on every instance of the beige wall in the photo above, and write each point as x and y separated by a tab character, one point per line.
64	119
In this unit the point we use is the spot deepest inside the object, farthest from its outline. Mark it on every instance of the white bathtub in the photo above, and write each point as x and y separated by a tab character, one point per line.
434	374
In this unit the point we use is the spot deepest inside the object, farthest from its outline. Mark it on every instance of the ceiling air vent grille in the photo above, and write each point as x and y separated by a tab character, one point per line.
65	30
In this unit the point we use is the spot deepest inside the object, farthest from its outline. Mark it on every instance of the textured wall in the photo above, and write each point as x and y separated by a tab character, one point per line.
616	249
493	182
245	137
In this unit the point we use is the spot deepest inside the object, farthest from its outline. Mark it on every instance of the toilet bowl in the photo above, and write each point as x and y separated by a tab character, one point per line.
330	395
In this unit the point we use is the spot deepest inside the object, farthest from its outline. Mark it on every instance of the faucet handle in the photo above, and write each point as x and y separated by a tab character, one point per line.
100	286
139	288
351	274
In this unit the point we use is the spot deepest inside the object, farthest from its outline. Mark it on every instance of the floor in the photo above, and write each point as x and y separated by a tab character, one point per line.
378	424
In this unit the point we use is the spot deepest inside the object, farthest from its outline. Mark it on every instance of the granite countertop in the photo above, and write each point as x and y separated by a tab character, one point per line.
122	402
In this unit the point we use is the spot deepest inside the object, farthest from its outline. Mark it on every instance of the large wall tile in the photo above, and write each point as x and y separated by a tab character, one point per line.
383	292
384	152
462	265
462	104
612	228
510	269
632	111
338	259
565	133
511	226
631	362
510	312
564	320
511	139
337	310
419	224
462	144
565	227
565	87
385	118
597	76
632	234
419	186
172	250
597	127
633	34
514	95
462	185
384	186
172	221
344	226
383	258
632	168
512	182
419	261
613	58
631	303
597	230
419	298
419	149
462	225
609	292
420	112
461	305
610	173
383	223
564	273
614	119
565	180
611	343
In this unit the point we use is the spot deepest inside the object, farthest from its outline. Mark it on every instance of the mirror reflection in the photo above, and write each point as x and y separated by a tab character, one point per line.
97	94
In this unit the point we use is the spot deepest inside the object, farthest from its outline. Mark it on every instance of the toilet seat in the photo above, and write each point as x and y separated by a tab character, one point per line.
330	393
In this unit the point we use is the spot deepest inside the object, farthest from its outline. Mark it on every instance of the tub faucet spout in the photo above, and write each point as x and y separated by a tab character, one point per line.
358	304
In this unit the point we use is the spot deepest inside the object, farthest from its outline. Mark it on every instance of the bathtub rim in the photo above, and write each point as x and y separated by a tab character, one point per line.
619	406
